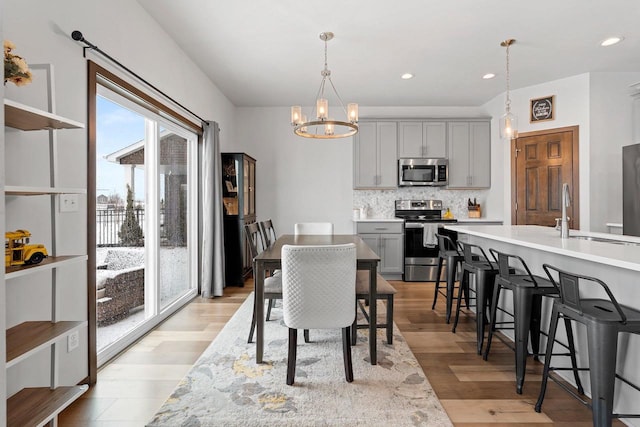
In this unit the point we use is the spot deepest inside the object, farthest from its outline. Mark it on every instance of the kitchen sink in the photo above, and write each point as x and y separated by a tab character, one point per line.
604	240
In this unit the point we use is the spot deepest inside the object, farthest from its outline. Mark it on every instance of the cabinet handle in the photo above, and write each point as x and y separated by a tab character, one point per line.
381	228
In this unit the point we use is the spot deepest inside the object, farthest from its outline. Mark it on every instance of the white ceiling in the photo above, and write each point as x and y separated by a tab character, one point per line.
268	53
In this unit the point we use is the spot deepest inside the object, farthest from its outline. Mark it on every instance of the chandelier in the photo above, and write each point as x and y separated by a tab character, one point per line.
323	126
508	121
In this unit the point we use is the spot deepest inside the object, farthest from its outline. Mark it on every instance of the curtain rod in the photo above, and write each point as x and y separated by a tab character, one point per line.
77	36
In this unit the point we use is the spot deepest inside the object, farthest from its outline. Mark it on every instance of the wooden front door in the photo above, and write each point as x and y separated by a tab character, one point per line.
541	162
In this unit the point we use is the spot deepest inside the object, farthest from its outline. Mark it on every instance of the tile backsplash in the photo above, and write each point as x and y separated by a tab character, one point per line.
380	203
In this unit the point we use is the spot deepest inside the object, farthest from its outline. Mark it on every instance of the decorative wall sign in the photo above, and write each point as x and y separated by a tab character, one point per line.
542	109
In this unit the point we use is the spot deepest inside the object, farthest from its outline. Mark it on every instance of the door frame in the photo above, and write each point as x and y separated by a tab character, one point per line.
96	74
575	199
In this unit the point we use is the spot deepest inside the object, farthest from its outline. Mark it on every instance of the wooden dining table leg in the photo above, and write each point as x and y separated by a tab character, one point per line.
373	313
259	271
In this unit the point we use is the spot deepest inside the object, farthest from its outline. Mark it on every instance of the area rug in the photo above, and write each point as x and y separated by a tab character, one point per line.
226	387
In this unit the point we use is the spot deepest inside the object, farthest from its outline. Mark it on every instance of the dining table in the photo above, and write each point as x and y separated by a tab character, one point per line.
271	259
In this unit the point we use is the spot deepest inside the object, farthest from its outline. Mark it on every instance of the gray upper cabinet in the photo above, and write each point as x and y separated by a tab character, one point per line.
469	149
374	152
422	139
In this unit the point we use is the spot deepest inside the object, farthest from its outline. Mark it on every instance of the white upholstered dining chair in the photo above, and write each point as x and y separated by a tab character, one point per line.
318	292
313	228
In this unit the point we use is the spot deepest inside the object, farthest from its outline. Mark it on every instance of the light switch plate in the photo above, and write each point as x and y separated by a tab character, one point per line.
68	203
73	341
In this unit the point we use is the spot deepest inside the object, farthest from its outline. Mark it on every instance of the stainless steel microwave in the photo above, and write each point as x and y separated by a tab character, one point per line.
423	172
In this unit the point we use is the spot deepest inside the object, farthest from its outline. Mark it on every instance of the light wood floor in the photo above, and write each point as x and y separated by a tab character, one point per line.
473	392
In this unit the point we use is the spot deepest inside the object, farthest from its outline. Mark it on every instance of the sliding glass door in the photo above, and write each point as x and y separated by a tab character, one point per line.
146	241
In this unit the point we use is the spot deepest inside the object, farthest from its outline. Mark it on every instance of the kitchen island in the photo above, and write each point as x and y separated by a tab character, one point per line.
612	258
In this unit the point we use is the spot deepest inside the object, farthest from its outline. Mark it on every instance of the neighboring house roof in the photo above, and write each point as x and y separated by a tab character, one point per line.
173	153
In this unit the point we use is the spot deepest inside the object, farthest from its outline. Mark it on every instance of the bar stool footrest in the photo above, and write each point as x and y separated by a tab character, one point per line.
629	383
573	392
567	387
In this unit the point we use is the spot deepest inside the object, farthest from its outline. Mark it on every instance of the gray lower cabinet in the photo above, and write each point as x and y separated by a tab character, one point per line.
374	152
469	152
387	240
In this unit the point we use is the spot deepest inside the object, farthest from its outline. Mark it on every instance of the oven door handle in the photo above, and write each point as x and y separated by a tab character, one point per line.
413	225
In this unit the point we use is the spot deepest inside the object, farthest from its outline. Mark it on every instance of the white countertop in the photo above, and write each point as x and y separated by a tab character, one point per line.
478	220
460	220
548	239
379	220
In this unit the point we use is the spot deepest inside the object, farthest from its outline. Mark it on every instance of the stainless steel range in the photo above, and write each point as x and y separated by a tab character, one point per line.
422	220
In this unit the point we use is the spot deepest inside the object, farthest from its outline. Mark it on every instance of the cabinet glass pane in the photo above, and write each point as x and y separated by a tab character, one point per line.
246	186
252	188
230	185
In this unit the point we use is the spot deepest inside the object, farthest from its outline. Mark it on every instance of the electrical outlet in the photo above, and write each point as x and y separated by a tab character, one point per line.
73	341
68	203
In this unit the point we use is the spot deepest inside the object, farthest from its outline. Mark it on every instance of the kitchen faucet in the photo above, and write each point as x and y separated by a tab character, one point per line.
564	221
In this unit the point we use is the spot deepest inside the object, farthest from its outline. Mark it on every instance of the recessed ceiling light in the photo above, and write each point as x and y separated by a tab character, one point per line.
488	76
611	41
406	76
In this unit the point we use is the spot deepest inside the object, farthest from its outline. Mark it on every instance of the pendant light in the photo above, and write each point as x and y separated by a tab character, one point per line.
324	127
508	121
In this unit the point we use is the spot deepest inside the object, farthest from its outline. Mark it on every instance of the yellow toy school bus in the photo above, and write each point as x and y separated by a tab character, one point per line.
18	251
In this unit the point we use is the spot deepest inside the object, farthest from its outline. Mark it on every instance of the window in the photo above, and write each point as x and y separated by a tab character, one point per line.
143	181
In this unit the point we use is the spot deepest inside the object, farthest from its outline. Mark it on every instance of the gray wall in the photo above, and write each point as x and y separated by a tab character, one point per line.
41	31
302	180
3	309
601	105
297	180
611	119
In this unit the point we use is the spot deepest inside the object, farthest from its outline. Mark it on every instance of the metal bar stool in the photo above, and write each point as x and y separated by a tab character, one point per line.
476	262
604	320
450	253
527	290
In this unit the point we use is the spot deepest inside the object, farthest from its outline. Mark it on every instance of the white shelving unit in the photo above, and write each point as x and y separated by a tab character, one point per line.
40	405
16	190
24	117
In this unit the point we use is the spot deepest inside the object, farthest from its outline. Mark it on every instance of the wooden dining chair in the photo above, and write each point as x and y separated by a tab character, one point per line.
318	291
268	233
324	228
272	284
384	292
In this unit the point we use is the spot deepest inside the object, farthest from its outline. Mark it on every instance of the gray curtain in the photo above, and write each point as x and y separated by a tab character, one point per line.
212	214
